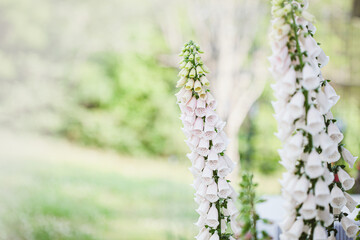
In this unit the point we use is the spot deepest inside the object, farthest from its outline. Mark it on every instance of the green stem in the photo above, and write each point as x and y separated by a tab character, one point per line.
295	29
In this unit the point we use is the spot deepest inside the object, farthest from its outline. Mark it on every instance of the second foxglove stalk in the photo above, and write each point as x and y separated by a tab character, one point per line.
207	142
306	126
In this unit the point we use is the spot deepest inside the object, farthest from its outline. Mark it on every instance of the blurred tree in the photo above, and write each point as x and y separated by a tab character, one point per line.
356	8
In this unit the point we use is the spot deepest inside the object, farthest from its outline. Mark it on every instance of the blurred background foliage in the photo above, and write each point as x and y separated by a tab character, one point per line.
103	74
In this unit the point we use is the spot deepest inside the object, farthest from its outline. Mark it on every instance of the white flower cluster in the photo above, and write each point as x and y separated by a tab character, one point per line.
207	141
311	139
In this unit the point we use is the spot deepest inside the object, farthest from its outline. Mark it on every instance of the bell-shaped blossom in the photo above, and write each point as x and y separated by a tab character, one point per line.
193	142
209	132
223	168
335	133
315	121
198	127
296	229
201	221
224	189
350	202
199	163
338	199
328	176
347	182
312	46
211	117
204	207
202	190
200	109
212	217
310	77
213	160
348	157
308	209
301	188
296	105
314	168
320	233
294	146
323	102
203	147
210	100
322	59
322	193
325	216
207	175
349	226
215	236
231	208
219	143
287	222
212	193
332	236
204	234
331	94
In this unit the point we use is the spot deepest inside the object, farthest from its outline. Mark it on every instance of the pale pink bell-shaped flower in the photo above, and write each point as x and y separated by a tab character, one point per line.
338	199
211	117
288	221
213	160
349	226
315	121
188	121
179	94
322	193
198	127
301	188
350	202
220	125
191	105
186	96
323	101
327	144
320	233
210	100
199	163
209	131
193	142
224	189
192	156
207	175
347	182
313	167
223	169
200	110
308	210
229	162
212	217
190	84
203	147
201	191
348	157
211	193
219	143
311	46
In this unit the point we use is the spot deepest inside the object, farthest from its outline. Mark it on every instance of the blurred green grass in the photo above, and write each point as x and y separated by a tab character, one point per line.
51	189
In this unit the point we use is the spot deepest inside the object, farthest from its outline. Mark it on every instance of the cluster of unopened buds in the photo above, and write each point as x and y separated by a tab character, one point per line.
207	142
314	186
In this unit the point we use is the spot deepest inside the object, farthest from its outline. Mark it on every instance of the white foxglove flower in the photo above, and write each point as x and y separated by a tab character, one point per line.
320	233
296	229
338	199
322	59
332	236
203	147
301	188
229	162
191	105
211	101
204	234
181	82
349	226
322	193
335	133
324	102
198	127
207	176
200	222
190	84
202	190
314	168
193	142
212	217
219	144
220	125
211	117
209	131
211	193
315	120
215	236
325	216
350	202
294	146
197	86
199	163
232	210
287	222
296	105
203	208
310	77
213	160
348	157
312	46
331	94
200	110
224	189
347	182
308	210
